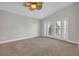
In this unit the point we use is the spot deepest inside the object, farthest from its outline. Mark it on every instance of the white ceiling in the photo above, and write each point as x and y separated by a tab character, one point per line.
48	8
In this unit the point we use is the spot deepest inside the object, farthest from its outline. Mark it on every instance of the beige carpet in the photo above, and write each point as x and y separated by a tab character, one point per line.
39	46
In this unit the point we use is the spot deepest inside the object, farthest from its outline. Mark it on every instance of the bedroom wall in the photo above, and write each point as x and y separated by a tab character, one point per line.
70	13
77	9
15	27
78	26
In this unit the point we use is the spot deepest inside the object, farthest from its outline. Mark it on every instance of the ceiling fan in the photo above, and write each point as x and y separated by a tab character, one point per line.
33	5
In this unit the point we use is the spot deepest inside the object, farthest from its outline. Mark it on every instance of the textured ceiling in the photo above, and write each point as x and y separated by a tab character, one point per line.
48	8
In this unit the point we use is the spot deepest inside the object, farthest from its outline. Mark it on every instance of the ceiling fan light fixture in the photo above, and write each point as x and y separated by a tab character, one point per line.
33	5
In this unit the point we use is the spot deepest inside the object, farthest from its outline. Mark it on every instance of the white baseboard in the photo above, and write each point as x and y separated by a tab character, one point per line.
63	40
12	40
34	37
71	41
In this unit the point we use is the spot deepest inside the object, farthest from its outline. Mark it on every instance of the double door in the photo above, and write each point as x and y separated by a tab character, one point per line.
57	29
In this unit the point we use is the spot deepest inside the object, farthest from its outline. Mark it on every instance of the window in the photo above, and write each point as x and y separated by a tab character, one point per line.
50	29
58	28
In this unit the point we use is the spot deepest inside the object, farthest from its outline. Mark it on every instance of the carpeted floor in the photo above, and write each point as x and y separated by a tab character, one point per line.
39	46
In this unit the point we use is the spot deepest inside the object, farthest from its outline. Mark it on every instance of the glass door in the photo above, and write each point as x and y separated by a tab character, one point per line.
58	29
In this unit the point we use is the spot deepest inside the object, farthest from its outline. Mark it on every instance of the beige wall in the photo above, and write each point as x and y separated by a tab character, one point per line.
13	27
77	9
